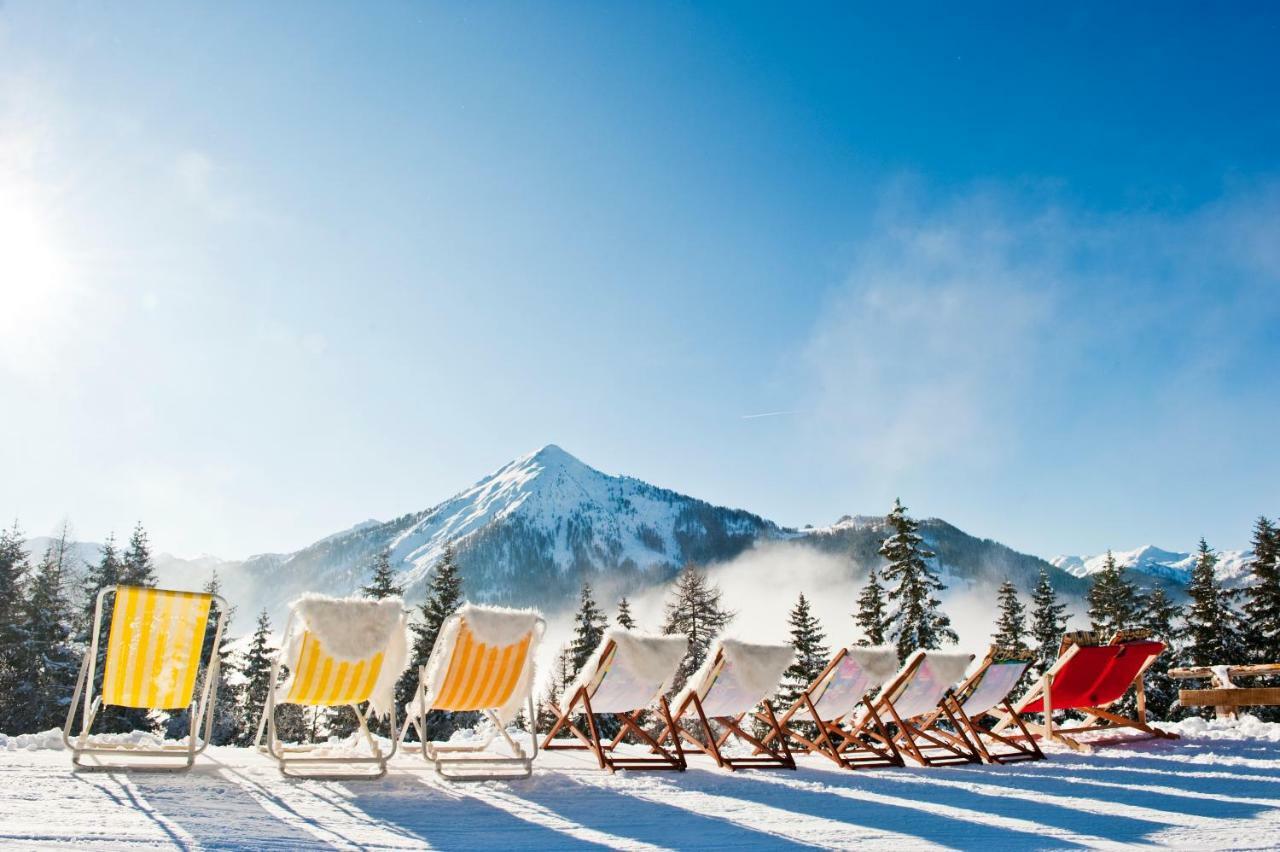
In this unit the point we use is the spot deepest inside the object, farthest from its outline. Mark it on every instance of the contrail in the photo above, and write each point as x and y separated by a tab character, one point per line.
767	414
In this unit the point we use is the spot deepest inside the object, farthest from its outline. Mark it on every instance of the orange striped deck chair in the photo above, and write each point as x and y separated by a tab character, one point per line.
339	652
482	662
155	645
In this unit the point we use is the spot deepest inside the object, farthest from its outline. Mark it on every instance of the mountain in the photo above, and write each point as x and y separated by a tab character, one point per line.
529	533
1166	567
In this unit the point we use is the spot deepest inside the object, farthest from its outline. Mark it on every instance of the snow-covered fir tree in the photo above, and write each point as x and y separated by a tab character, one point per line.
870	617
588	628
1113	600
625	619
812	654
1210	622
252	694
48	659
136	565
444	597
916	621
13	571
382	583
1011	624
1262	596
1161	616
694	611
1048	621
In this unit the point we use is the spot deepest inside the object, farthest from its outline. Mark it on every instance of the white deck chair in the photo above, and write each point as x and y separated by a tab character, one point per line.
482	661
981	694
340	651
625	676
853	674
913	696
152	663
736	679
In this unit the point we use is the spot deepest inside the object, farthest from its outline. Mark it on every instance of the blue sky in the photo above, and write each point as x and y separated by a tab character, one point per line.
272	271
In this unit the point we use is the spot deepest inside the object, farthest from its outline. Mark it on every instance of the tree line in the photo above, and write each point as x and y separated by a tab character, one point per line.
46	620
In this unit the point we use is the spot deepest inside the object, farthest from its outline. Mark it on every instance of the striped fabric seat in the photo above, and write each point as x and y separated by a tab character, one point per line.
319	679
153	652
481	676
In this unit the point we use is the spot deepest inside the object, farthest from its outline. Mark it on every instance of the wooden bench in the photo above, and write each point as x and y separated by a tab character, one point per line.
1226	698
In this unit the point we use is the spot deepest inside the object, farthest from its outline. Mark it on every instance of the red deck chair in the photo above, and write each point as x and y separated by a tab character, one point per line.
1090	678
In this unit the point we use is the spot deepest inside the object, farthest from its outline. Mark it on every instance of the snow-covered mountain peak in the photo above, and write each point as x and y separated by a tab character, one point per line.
1232	568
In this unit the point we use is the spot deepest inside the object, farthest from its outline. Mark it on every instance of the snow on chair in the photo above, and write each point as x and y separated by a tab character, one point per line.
625	676
912	697
339	651
981	694
851	676
153	657
482	661
1089	677
736	679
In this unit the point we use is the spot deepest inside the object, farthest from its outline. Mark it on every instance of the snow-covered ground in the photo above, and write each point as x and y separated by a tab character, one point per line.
1218	787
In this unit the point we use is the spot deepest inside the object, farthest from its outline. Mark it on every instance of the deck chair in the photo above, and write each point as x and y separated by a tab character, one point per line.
628	673
339	651
737	679
911	699
851	676
1090	677
981	695
152	663
482	661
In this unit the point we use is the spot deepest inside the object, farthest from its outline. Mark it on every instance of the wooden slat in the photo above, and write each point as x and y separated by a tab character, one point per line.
1243	697
1232	671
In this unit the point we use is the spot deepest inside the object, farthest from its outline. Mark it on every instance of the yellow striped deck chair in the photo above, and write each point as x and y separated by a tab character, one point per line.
339	652
482	662
155	644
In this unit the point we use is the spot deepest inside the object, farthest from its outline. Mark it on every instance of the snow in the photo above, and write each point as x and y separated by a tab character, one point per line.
1218	787
1233	567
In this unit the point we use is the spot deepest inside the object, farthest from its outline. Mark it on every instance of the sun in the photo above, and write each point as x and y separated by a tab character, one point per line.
34	277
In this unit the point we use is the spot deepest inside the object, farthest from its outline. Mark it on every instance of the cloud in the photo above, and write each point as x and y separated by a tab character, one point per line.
960	323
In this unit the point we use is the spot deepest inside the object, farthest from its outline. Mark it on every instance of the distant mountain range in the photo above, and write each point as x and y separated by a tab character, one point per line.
1161	565
535	529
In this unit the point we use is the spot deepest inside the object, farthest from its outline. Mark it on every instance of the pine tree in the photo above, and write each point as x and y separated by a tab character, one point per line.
47	656
382	585
1011	628
1048	621
136	567
444	597
13	571
1211	627
1160	616
561	678
917	622
812	654
588	629
870	617
256	674
625	621
1262	598
694	611
1113	600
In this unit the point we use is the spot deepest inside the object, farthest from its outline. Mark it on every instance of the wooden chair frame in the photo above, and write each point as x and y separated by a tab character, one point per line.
919	736
1095	718
765	756
665	757
198	712
303	755
1002	749
867	745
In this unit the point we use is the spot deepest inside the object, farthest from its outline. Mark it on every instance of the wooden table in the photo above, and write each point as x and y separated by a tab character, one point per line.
1227	699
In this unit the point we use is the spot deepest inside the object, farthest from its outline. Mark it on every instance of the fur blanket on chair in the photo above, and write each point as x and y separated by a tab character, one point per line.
654	659
757	668
353	629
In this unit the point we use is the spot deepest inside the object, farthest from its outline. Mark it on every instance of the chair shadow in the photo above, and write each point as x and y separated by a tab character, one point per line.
777	792
223	803
647	821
